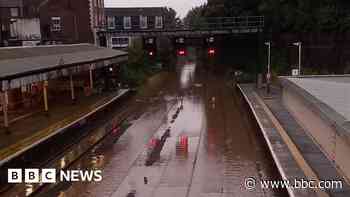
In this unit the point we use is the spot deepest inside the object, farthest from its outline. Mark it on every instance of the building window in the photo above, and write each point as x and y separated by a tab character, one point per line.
56	24
14	12
143	22
159	22
120	42
127	22
111	22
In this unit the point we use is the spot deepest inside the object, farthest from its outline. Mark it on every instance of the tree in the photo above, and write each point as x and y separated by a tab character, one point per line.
171	18
195	17
282	16
304	20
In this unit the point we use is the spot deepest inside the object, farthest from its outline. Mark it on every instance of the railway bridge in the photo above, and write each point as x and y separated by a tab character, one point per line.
209	29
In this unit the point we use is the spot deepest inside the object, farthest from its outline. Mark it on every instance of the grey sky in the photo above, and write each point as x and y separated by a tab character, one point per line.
181	6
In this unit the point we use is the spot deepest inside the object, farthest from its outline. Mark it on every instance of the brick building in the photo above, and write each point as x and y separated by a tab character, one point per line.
61	21
71	21
133	19
18	22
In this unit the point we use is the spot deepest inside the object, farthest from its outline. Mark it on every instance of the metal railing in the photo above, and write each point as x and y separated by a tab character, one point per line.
209	23
229	23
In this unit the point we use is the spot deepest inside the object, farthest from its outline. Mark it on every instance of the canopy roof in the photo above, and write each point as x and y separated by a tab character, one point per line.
18	62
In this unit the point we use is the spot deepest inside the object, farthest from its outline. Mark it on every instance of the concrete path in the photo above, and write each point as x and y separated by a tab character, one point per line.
334	91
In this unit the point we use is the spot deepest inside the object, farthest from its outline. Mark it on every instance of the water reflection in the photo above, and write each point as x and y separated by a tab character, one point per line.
61	194
63	163
182	147
187	75
205	133
29	189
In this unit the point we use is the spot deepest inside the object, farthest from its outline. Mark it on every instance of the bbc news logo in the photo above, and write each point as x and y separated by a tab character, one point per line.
50	176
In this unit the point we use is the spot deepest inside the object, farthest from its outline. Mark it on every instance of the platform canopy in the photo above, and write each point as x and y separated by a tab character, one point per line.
25	65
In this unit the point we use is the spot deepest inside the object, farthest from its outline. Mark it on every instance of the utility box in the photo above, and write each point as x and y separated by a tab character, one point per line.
295	72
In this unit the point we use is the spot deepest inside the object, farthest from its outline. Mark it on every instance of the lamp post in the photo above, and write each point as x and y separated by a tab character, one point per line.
268	75
298	44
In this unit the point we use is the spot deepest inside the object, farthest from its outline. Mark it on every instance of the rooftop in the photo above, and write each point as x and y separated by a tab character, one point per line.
11	3
24	61
146	11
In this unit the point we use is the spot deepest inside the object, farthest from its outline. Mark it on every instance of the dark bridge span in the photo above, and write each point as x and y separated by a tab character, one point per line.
213	26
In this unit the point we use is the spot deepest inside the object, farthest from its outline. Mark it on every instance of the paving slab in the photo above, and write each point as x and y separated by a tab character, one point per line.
333	91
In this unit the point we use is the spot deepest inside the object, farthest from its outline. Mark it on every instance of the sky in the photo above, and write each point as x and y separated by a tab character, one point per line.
181	6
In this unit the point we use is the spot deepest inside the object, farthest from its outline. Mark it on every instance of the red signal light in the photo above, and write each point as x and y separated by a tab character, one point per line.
151	53
211	51
181	52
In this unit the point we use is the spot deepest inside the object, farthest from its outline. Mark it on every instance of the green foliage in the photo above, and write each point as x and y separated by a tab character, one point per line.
171	18
279	62
282	15
303	19
195	17
306	15
138	67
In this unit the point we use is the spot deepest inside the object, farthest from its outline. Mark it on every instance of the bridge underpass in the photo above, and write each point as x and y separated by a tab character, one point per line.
233	51
212	27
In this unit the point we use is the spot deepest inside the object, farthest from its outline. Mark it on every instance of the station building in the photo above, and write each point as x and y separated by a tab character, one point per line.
33	78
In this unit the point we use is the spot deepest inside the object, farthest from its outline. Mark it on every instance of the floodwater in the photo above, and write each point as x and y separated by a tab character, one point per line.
211	149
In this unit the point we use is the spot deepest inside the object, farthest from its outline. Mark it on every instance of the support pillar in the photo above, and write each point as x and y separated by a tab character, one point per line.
72	88
5	101
46	105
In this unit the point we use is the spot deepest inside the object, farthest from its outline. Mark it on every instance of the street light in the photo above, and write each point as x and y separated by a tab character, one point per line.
268	76
298	44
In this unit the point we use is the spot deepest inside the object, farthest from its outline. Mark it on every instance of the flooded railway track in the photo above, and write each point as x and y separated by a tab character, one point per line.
75	141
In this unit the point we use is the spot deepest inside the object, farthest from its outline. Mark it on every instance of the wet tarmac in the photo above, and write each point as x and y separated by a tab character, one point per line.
211	148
